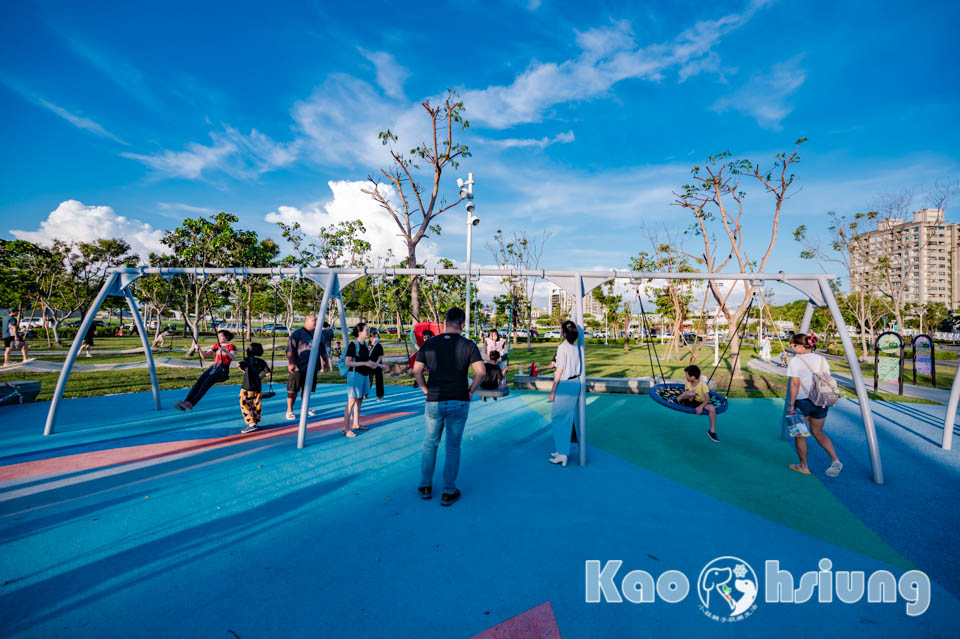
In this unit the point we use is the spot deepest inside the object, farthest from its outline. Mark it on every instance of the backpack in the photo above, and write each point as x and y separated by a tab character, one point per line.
823	391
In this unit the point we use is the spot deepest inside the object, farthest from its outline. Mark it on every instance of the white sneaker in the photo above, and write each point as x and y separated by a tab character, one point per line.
559	459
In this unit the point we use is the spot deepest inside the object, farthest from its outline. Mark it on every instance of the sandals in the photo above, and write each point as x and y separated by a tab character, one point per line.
797	468
834	469
349	433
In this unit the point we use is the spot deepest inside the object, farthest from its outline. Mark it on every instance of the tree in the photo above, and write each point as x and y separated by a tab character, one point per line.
443	291
418	206
85	271
618	309
708	198
864	268
674	298
521	253
199	243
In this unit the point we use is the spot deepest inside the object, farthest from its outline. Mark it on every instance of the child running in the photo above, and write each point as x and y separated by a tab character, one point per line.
254	369
697	395
224	353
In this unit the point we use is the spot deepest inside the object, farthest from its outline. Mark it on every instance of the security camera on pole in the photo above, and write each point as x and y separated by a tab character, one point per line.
466	192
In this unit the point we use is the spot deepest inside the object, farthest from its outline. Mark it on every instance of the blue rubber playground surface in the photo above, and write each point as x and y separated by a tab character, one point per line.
137	523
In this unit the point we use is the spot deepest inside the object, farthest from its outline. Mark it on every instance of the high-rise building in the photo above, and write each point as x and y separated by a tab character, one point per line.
559	297
924	255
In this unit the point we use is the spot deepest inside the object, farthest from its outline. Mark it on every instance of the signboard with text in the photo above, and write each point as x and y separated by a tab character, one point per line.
924	360
888	361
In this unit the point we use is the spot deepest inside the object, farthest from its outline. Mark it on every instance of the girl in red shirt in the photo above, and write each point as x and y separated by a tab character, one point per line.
224	353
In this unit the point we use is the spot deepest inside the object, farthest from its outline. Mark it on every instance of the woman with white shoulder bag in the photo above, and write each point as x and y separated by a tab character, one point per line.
812	391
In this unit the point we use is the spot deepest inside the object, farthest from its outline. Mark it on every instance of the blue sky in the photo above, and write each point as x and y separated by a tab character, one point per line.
585	116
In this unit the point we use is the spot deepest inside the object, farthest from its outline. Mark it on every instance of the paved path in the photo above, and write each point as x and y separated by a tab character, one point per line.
938	395
42	366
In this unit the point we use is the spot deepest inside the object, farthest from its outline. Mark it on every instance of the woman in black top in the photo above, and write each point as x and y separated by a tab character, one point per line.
359	367
376	355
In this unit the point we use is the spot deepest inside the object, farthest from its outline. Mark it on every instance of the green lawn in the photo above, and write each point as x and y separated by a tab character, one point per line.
602	361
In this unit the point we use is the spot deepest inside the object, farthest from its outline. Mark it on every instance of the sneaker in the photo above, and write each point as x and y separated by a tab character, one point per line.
89	355
180	406
290	415
380	399
713	437
249	428
312	413
426	492
188	405
449	499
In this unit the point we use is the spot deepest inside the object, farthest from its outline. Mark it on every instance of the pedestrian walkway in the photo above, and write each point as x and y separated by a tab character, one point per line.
938	395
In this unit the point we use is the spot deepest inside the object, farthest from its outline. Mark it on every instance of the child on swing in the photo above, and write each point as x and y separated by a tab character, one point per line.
697	395
251	392
224	353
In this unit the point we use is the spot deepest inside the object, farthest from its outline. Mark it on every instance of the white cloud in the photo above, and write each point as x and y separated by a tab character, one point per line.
608	56
349	204
232	152
390	74
341	119
764	96
78	121
179	206
77	222
541	143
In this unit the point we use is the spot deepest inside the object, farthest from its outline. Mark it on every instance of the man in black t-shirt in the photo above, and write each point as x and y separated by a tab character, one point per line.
447	357
298	359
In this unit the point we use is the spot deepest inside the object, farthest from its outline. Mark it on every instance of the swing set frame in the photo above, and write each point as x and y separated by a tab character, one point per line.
815	286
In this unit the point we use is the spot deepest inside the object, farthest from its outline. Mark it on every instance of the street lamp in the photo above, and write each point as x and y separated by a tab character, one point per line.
466	192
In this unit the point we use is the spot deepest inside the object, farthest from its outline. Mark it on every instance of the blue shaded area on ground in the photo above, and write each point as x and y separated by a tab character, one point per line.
266	540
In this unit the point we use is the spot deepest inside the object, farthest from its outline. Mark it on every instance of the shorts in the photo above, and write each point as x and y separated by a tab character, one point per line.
808	409
358	385
689	403
88	339
8	342
297	381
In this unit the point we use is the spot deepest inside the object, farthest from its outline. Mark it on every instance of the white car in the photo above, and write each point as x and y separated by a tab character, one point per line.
553	334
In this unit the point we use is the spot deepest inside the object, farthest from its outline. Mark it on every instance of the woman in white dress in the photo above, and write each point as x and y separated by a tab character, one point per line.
565	392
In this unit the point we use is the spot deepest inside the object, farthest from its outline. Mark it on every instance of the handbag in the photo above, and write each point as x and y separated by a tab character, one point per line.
796	425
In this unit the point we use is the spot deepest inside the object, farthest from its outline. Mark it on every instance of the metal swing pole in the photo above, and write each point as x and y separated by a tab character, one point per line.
858	382
145	340
328	285
74	350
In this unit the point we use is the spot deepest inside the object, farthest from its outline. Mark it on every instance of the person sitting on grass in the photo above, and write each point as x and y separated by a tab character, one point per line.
495	379
160	341
224	353
251	392
697	395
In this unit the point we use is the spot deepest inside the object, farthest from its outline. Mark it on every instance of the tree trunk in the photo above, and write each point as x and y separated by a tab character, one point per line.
414	283
626	330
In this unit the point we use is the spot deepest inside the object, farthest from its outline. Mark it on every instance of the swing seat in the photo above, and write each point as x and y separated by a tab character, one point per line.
495	393
667	394
268	394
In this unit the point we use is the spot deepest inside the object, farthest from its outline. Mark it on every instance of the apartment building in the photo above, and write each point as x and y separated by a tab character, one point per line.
924	254
559	297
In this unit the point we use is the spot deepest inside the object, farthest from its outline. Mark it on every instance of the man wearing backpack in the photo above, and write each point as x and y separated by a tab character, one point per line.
812	391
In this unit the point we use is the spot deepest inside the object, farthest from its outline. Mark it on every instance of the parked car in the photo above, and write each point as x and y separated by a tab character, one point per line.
96	324
280	329
233	327
553	334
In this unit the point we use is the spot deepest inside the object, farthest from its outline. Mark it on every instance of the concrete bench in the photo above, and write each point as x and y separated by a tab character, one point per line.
626	385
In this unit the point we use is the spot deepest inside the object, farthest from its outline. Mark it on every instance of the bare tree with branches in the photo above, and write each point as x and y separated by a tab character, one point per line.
420	206
523	253
716	197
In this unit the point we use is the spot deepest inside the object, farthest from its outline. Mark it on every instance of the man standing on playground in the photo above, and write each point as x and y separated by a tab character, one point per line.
448	357
326	342
298	359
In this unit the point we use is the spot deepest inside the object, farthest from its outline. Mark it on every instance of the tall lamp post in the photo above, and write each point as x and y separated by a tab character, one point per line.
466	192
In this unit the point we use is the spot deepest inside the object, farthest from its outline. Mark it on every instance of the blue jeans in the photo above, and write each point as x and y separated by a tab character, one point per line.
452	416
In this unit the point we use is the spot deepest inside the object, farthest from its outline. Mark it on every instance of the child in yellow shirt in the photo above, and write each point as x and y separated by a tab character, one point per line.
697	395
